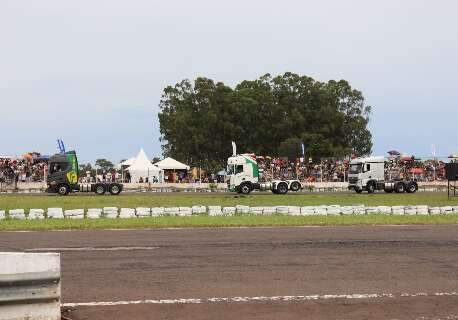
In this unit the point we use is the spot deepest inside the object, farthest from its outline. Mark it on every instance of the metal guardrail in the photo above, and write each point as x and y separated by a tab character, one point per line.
29	286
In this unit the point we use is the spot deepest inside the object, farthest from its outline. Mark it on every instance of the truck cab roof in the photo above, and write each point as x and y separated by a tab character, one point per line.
378	159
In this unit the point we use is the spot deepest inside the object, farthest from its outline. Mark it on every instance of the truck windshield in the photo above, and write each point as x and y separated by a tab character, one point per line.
230	169
355	168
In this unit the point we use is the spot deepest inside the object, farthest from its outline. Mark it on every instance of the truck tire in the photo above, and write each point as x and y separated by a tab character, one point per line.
115	189
63	189
412	187
100	189
295	186
245	188
358	191
282	188
389	190
370	187
400	187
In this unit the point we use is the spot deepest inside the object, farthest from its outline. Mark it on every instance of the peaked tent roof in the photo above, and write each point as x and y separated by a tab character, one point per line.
171	164
141	162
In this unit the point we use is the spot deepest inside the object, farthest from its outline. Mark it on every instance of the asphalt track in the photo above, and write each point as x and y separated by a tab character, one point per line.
383	272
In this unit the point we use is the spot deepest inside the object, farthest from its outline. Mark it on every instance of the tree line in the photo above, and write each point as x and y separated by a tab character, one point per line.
268	116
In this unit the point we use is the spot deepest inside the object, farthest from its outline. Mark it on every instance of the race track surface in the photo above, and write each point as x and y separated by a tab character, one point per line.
384	272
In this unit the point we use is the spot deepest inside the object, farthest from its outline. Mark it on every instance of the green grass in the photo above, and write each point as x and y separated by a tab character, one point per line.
235	221
85	201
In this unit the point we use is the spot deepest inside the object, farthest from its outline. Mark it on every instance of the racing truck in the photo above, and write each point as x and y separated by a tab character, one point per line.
243	176
63	177
368	174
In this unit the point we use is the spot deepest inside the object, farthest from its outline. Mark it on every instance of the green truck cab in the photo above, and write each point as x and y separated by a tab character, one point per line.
63	177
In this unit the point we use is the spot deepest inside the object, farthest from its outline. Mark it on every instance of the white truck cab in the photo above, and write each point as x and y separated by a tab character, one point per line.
242	169
368	174
243	176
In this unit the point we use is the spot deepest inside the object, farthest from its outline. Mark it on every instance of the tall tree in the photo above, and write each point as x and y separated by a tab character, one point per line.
268	116
104	164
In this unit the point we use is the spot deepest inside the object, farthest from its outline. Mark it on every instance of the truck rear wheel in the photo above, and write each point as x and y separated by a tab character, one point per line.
400	188
295	186
282	188
115	189
63	189
100	190
412	187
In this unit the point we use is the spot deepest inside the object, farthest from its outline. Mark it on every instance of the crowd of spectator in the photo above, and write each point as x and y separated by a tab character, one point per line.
336	170
25	169
32	168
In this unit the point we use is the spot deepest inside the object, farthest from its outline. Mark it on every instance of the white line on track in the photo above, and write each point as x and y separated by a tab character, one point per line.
90	249
261	299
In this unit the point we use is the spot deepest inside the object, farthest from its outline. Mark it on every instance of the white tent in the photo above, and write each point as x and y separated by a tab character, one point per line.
171	164
141	167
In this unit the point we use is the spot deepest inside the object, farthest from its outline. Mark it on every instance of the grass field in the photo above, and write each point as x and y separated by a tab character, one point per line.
234	221
188	199
85	201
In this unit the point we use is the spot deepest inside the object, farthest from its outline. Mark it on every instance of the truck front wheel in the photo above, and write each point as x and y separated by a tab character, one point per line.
245	188
63	189
370	187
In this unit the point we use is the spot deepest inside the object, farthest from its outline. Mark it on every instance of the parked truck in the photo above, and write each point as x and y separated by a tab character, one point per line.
243	176
63	177
368	174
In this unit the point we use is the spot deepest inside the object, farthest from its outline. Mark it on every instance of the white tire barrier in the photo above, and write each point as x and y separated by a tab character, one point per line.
110	212
142	212
55	213
94	213
398	210
125	213
36	214
185	211
30	286
17	214
229	211
268	211
156	212
174	211
74	214
199	209
215	211
280	210
242	209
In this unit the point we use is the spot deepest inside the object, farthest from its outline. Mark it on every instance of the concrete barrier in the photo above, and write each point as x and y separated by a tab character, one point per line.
29	286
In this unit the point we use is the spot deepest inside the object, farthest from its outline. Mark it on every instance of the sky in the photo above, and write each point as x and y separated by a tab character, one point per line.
92	72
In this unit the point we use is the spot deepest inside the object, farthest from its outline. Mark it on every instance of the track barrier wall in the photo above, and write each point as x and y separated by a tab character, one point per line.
29	286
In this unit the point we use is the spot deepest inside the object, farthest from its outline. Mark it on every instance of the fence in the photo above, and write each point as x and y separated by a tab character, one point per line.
29	286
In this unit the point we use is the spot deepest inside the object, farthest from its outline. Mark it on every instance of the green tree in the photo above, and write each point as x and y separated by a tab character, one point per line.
104	164
267	116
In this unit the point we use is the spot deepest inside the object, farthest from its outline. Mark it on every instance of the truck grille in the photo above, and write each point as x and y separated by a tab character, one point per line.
353	180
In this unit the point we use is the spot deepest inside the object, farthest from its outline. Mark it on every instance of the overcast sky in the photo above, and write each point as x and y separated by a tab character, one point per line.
92	72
